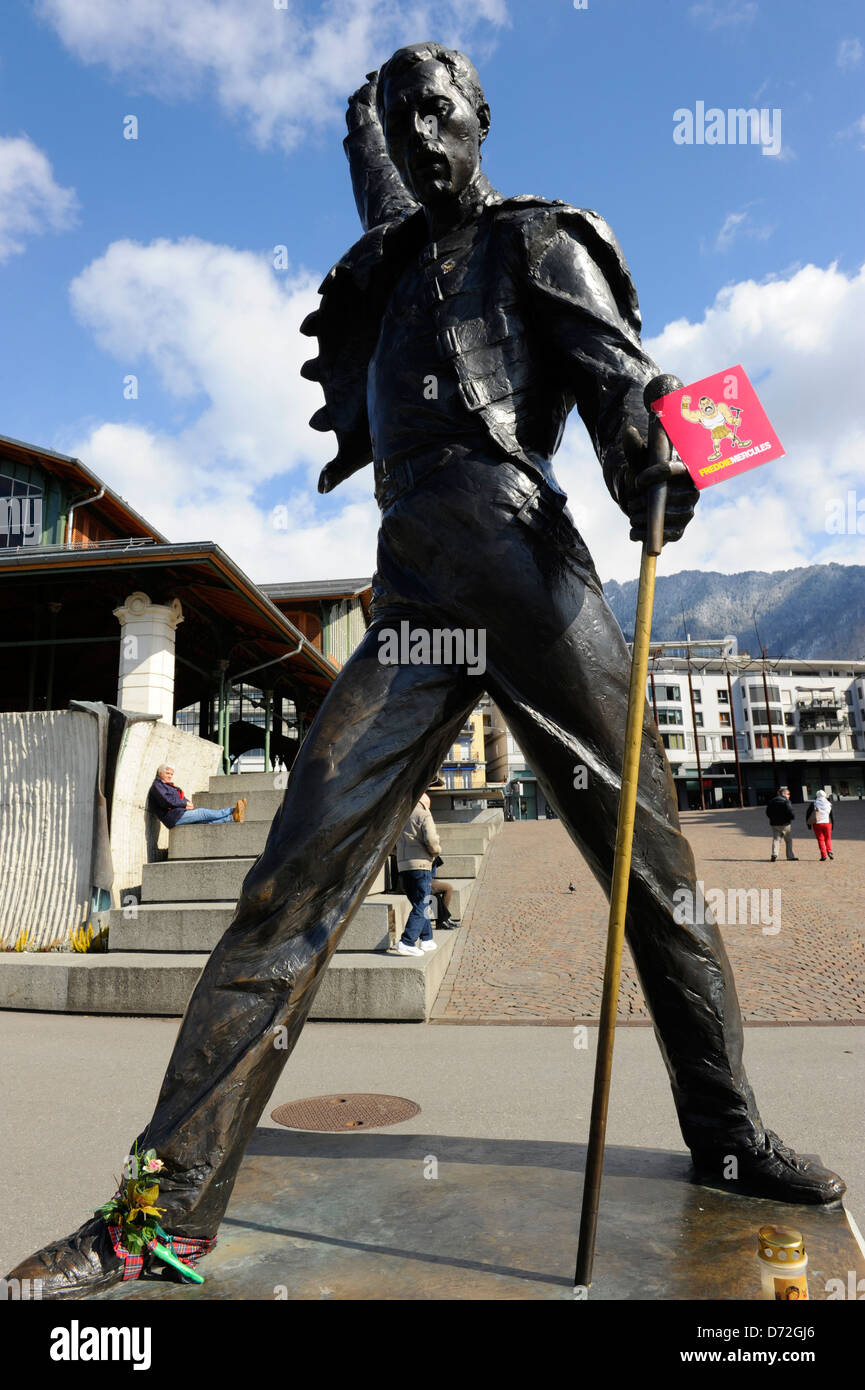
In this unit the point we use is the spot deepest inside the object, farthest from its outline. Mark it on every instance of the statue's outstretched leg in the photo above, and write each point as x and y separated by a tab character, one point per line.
375	744
566	709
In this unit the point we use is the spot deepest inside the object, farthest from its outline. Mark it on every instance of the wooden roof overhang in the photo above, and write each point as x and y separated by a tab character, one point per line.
226	615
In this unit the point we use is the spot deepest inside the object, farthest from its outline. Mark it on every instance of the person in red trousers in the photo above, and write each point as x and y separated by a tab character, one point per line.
821	819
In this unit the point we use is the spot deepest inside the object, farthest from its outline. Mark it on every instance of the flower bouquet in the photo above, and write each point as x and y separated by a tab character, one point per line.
132	1217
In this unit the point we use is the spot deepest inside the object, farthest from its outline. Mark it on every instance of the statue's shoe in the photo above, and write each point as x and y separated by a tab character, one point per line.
773	1171
82	1264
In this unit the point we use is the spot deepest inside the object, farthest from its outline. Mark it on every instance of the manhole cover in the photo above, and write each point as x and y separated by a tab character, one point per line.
333	1113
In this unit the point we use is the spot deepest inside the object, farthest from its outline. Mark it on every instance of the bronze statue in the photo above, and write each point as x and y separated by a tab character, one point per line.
454	339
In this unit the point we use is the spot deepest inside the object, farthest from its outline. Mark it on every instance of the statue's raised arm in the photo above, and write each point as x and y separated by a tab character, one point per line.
379	192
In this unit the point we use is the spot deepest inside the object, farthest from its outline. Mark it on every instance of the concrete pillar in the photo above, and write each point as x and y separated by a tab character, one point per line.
146	675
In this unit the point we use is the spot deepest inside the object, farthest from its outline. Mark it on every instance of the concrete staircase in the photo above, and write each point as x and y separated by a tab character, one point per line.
157	948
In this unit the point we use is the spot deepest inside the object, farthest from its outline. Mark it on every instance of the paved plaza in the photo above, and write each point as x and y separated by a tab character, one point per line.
532	951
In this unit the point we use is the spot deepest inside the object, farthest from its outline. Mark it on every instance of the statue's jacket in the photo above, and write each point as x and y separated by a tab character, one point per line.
534	311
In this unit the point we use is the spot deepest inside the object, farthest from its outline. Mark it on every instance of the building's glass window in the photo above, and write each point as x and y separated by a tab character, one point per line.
756	692
669	716
669	692
20	512
698	718
723	697
673	740
724	718
727	743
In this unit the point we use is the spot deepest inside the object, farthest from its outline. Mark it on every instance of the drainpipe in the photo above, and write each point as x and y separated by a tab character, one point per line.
267	696
81	502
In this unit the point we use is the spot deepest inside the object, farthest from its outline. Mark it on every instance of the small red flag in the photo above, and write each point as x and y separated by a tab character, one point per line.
718	427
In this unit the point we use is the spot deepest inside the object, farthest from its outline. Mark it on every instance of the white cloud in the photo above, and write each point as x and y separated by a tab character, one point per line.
849	54
31	202
218	330
799	340
856	131
717	15
740	224
277	69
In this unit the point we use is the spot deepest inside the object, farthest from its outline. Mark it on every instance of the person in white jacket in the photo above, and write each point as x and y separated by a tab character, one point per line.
819	816
417	848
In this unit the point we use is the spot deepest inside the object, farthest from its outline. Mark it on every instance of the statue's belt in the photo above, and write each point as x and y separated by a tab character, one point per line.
397	475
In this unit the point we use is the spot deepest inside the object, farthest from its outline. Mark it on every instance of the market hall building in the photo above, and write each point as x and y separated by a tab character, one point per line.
99	609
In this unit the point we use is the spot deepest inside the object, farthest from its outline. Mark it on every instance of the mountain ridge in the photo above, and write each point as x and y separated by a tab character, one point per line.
817	611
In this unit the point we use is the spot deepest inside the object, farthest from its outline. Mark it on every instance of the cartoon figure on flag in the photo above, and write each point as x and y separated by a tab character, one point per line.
721	419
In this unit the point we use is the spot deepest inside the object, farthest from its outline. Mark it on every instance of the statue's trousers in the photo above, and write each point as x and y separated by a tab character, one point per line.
471	548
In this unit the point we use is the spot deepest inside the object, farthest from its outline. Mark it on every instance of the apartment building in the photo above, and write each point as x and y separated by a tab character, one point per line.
738	726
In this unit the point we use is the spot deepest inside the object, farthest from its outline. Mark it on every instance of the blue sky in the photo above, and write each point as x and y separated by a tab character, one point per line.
154	256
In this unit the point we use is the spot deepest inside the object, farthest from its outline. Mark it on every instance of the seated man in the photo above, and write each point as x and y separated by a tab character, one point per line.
170	805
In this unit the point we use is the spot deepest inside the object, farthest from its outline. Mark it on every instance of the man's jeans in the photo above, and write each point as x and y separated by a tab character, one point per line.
417	886
785	833
205	817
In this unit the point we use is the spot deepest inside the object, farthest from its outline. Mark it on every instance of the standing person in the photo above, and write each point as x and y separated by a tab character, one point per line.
781	816
169	804
516	308
821	818
418	847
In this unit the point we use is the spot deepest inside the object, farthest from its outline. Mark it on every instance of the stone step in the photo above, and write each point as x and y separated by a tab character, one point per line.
223	842
228	841
355	986
229	786
379	987
193	880
169	927
459	865
184	926
261	805
239	841
121	983
203	880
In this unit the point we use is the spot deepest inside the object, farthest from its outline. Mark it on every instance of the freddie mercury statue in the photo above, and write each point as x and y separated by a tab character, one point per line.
517	309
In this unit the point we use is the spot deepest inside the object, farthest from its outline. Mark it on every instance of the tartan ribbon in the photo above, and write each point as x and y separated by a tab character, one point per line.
188	1248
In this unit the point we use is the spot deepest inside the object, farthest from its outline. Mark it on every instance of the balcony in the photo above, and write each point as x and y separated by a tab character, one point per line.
812	722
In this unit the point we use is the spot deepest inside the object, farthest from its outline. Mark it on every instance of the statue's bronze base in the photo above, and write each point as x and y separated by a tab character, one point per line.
413	1216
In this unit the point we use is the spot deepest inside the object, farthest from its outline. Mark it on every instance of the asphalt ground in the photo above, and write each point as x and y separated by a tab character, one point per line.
78	1088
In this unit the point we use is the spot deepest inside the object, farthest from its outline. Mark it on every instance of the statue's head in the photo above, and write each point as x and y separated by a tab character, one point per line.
435	119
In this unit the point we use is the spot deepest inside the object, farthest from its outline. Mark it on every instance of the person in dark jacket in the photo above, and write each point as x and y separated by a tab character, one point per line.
168	803
781	816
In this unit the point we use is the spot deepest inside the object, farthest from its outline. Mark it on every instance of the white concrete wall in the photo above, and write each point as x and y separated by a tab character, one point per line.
48	765
136	834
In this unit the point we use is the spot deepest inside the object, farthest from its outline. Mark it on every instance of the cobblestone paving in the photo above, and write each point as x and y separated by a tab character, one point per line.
532	951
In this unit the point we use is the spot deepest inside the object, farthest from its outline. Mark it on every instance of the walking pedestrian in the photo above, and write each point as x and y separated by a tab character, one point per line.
821	818
781	816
